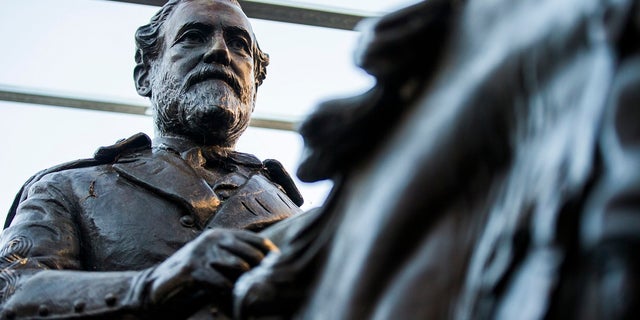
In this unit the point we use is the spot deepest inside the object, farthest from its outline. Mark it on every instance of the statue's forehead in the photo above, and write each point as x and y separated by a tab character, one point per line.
212	12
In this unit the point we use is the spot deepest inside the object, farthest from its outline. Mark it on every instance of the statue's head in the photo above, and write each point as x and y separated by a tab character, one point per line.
200	64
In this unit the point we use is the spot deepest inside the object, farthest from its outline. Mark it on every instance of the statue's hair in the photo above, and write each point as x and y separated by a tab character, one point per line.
149	42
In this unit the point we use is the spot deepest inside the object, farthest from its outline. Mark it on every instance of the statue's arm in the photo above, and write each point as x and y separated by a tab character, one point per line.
40	263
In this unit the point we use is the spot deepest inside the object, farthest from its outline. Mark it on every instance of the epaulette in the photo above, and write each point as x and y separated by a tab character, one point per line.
245	159
103	155
276	173
111	153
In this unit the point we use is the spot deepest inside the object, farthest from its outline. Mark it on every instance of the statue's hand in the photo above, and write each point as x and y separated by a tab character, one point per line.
206	268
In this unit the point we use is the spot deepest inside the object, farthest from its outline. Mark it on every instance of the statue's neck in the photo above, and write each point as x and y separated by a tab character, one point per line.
181	143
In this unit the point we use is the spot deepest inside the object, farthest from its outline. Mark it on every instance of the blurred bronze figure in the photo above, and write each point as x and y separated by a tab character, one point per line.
156	230
493	172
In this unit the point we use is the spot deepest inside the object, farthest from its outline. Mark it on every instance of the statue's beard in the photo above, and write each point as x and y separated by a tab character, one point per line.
208	112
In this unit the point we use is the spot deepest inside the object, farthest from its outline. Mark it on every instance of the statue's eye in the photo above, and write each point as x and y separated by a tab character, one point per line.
238	44
193	36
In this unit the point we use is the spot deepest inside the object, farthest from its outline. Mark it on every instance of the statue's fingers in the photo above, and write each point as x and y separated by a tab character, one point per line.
263	244
229	266
247	252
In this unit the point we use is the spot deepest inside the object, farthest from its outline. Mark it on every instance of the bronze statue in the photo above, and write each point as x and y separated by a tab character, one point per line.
493	172
162	229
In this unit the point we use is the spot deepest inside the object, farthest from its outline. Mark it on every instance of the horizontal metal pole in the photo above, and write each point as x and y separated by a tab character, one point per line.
292	12
43	97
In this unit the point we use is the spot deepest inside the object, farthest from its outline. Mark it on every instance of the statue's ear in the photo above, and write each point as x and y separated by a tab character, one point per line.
141	77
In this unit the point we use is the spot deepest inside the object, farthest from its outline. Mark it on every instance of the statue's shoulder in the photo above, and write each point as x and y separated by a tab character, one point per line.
104	155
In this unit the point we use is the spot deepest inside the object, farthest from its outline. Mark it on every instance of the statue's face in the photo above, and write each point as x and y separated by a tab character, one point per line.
203	84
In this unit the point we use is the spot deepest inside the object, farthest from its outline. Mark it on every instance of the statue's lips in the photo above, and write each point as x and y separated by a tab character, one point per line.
214	74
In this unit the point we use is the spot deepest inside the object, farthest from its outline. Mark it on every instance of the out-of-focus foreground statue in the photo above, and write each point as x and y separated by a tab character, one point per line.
492	173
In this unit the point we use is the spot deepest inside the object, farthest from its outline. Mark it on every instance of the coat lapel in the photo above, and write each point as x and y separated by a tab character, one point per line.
171	176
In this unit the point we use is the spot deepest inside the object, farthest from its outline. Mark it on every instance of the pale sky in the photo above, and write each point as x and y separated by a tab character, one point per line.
85	47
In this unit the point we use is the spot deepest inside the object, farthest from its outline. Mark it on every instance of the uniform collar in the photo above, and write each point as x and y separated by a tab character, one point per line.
194	153
180	145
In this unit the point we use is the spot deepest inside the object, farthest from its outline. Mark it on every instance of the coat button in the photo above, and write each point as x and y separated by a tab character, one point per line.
43	311
187	221
110	299
78	306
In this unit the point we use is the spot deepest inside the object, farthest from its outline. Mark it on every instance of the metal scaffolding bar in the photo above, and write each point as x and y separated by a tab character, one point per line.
312	15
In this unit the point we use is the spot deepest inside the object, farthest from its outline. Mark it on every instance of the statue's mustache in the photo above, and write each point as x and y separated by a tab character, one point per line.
211	72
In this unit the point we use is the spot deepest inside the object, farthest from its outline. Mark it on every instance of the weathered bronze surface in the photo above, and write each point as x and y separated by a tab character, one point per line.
492	173
162	229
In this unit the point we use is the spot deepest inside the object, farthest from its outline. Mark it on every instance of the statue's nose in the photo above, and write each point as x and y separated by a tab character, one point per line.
218	51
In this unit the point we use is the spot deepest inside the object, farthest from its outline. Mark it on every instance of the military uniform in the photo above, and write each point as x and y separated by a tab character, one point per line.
126	210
